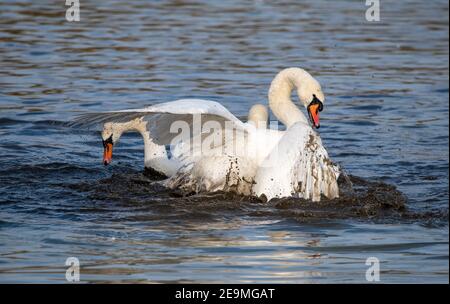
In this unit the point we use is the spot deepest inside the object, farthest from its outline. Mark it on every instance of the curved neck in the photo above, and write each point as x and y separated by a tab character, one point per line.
135	125
155	156
258	116
280	96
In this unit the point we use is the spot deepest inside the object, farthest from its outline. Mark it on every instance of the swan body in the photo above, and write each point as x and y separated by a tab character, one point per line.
299	167
254	160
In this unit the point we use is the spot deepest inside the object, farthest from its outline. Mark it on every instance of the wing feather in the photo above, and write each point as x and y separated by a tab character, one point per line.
160	118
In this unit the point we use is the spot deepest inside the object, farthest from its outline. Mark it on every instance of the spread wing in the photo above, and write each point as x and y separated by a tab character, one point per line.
162	118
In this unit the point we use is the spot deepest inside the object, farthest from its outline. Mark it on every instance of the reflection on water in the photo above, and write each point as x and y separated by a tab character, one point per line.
385	118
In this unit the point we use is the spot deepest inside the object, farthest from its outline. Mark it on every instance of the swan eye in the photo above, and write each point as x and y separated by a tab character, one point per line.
317	101
108	141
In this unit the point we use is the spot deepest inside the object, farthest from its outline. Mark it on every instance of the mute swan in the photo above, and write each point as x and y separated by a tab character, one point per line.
155	156
252	161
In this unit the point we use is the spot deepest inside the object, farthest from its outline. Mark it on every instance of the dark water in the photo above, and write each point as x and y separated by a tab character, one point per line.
386	120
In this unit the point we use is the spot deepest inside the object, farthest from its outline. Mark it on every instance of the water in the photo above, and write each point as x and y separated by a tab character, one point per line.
385	119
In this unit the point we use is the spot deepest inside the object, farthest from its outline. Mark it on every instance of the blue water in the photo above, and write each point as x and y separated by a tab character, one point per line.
385	119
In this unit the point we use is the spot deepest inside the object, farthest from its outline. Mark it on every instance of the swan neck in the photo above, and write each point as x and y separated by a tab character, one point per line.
135	125
280	101
155	156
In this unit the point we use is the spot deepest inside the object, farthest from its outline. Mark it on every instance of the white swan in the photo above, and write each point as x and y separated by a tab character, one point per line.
254	160
156	155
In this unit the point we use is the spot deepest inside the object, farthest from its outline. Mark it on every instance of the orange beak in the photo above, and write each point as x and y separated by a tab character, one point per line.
107	153
313	111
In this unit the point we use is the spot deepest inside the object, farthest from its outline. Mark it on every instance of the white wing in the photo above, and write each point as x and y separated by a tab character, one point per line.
161	117
298	166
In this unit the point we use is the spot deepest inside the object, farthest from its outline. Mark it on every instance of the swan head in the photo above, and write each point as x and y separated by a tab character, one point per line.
110	135
112	131
309	92
311	96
